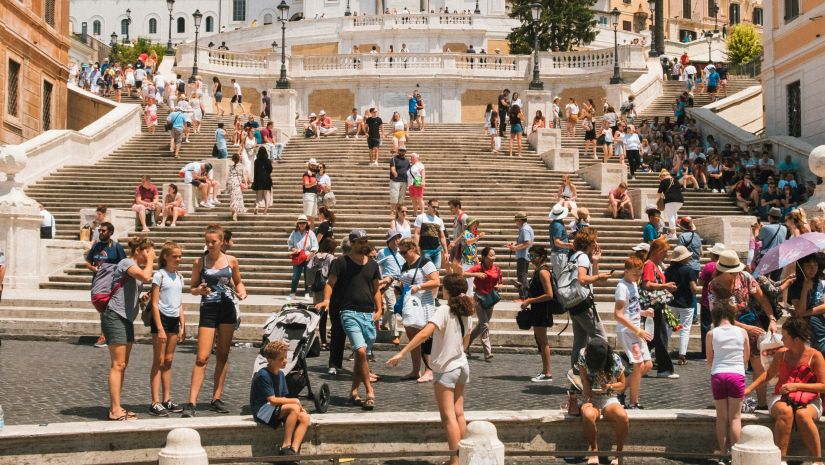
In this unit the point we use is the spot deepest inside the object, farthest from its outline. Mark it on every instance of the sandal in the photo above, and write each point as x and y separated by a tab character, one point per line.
355	401
682	360
120	418
369	404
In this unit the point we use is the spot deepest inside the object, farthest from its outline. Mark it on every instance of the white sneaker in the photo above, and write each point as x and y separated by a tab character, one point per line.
332	371
290	297
715	191
541	378
307	298
187	141
346	137
667	375
206	205
215	202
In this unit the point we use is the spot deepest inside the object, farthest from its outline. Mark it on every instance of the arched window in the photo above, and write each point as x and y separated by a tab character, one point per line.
181	25
124	27
210	24
96	27
267	18
238	10
733	14
153	26
757	16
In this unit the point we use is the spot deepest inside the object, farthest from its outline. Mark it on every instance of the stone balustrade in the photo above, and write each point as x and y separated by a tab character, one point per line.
396	21
465	65
226	59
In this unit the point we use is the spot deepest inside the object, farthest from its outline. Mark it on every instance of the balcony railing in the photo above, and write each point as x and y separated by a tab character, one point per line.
396	21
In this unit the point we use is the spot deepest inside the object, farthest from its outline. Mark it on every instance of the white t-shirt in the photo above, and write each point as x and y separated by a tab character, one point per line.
140	74
583	261
324	180
728	349
572	108
414	172
237	88
628	293
171	289
355	118
410	277
448	349
690	70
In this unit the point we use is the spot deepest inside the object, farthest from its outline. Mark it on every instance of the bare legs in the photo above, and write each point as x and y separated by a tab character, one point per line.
161	374
728	423
451	407
206	338
119	354
614	413
540	333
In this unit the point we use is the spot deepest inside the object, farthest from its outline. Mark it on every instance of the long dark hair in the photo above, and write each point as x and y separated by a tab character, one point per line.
598	356
460	303
328	214
485	252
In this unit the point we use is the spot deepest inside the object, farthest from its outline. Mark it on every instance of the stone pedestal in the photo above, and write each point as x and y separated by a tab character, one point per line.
643	197
220	170
122	220
20	237
481	445
536	100
756	447
815	206
604	176
561	159
284	107
733	231
544	139
183	447
190	197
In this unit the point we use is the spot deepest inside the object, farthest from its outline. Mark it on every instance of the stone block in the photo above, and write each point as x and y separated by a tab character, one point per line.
561	159
537	100
190	197
545	139
220	170
755	447
733	231
641	198
57	254
20	237
123	220
284	105
604	176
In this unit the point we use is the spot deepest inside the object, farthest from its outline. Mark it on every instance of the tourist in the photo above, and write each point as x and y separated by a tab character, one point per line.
271	403
684	276
602	379
538	122
104	250
420	111
495	139
150	116
302	245
520	247
236	182
488	115
411	112
632	144
399	134
618	143
416	181
326	198
771	235
654	293
714	173
172	206
117	321
611	118
48	225
468	248
177	121
325	127
728	351
590	139
326	224
354	125
806	296
266	106
216	278
796	402
516	128
671	192
456	239
217	92
571	112
220	143
167	327
630	333
619	204
317	274
567	194
129	81
689	238
237	131
197	112
487	279
747	195
200	175
95	224
584	318
186	109
375	132
560	242
147	202
430	233
248	149
237	98
262	182
399	166
582	220
389	260
400	223
516	100
309	182
705	276
503	111
555	120
797	222
354	285
539	299
447	328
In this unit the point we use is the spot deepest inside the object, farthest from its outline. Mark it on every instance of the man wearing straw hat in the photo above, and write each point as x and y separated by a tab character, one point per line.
681	273
520	247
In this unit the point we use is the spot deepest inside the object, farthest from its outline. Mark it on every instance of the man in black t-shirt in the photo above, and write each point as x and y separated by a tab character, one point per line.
399	165
353	292
503	109
375	132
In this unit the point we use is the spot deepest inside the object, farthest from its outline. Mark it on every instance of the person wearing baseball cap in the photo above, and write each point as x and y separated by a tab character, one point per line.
640	250
390	262
353	298
681	273
689	238
520	247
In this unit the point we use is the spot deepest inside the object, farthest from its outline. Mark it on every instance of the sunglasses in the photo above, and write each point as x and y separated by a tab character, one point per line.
533	256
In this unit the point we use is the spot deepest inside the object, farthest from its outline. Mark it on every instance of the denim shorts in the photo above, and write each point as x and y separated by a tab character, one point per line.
360	328
450	379
434	255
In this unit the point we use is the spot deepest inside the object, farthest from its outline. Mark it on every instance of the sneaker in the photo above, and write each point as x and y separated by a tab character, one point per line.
217	405
575	380
172	407
332	371
634	407
215	202
351	357
101	342
206	205
188	411
667	374
290	297
715	191
371	357
307	298
541	378
158	410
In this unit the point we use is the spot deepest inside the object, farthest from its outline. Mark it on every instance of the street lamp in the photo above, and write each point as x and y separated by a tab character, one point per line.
197	16
535	12
614	16
283	83
170	5
653	51
112	44
709	39
128	23
348	12
715	14
477	11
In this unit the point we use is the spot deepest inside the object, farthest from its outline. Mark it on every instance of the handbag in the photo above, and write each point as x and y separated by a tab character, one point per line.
802	374
215	152
491	299
571	404
523	319
300	257
412	311
657	299
660	202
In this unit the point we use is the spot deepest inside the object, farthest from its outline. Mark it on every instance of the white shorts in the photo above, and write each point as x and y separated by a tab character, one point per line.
397	192
421	113
450	379
600	402
817	403
310	204
634	346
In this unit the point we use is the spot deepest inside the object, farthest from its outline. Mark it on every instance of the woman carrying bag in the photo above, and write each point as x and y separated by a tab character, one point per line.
488	285
302	245
539	295
670	200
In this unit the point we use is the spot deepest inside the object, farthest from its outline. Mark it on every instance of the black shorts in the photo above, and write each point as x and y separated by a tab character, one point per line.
413	115
195	182
590	135
373	143
274	421
170	324
138	84
217	313
711	89
237	98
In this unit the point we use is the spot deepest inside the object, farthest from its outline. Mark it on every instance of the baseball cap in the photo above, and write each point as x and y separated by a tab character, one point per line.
356	234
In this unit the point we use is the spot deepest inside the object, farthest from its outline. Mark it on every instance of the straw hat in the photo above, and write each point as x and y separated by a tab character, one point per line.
680	253
559	212
717	248
729	262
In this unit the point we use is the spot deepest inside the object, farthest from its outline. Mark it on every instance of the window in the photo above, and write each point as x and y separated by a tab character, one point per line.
795	109
48	11
153	26
47	105
757	16
733	14
12	88
686	7
96	27
603	20
627	26
210	24
124	27
791	9
238	10
267	18
181	25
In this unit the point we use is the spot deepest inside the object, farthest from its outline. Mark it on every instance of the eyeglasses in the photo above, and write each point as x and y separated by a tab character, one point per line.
533	256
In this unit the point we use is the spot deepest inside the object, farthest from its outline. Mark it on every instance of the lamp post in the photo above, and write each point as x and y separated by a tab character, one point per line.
170	5
477	11
715	13
535	12
614	16
653	51
348	12
112	45
128	23
198	17
283	83
709	39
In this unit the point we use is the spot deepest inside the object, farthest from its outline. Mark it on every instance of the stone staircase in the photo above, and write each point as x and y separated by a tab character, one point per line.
459	165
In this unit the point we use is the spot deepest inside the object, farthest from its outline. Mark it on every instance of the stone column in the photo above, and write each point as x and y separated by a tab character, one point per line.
815	206
183	447
756	447
481	445
284	107
537	100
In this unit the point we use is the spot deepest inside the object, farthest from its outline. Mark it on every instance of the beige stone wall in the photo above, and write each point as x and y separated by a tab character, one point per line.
474	102
455	47
326	48
84	111
338	103
581	94
494	44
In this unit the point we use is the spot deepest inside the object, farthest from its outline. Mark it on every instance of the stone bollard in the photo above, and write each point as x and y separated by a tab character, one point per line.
756	447
481	445
183	447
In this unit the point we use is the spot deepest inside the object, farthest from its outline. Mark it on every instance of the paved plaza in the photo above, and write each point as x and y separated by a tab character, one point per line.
48	382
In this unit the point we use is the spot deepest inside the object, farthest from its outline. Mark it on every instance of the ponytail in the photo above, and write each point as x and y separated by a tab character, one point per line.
460	303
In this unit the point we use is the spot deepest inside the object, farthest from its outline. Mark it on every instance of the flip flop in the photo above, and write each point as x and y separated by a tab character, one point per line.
120	418
369	404
355	401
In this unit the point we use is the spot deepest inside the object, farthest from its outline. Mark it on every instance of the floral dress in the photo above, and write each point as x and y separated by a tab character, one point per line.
234	180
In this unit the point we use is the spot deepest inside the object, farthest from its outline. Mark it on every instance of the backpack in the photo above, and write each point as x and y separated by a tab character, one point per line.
317	273
181	86
104	287
568	290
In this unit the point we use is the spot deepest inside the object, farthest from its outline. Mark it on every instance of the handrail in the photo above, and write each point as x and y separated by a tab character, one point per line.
409	19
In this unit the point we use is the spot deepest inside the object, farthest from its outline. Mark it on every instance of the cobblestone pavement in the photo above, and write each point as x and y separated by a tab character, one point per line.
48	382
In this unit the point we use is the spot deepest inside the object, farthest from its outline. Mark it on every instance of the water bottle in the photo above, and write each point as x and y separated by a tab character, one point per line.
1	418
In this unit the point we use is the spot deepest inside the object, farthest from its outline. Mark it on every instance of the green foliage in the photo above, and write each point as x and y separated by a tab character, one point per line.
744	44
124	54
562	25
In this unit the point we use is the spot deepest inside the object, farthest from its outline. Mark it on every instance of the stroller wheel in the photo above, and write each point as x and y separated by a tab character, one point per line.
322	398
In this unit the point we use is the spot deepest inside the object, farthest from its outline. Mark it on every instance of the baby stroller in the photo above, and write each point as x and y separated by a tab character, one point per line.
297	325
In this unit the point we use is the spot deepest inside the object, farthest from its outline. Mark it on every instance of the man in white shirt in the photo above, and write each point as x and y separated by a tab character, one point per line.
237	97
690	73
160	84
48	228
354	124
200	176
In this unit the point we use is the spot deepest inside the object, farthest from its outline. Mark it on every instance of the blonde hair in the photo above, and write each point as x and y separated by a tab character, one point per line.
165	251
275	350
664	174
583	214
409	244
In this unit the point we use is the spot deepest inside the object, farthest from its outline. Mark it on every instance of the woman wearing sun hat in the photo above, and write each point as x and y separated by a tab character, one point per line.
302	244
681	273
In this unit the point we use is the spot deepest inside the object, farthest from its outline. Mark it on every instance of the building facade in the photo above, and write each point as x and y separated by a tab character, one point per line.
34	48
689	18
794	92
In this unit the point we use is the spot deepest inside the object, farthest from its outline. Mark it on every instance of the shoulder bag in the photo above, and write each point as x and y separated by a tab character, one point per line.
491	299
412	311
660	202
300	257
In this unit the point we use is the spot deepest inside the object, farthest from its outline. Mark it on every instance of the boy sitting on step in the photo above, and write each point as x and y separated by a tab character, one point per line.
269	403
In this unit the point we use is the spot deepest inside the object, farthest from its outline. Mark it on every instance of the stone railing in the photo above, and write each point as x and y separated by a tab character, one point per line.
407	20
585	61
237	60
466	65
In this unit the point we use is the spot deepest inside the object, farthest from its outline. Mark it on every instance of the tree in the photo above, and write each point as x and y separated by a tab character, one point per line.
744	44
128	54
562	25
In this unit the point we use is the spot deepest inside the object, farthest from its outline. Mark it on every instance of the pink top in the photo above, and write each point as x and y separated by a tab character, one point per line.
705	276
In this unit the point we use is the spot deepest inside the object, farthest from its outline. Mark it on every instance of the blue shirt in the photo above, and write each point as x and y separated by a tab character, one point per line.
411	104
649	233
177	119
106	252
772	235
259	139
390	262
557	231
713	79
220	139
265	385
525	234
